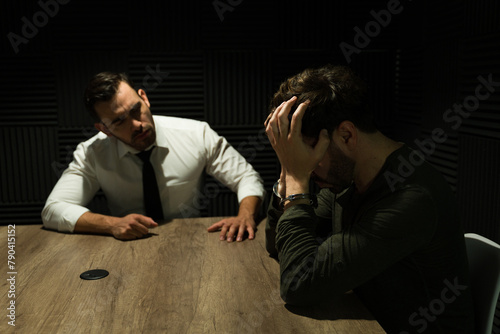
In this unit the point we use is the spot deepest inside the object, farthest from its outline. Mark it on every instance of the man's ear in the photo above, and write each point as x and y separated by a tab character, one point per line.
103	128
142	94
347	134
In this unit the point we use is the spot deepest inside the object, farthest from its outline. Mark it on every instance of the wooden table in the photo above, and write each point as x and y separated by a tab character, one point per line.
181	279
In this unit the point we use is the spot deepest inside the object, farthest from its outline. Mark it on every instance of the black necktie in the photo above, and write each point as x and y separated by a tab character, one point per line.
152	201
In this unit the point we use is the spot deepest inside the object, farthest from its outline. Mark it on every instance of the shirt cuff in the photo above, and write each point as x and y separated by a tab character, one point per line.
69	217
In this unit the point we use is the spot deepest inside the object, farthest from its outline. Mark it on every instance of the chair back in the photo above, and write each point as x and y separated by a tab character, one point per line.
484	266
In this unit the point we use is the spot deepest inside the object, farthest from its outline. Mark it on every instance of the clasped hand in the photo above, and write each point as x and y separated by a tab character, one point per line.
298	159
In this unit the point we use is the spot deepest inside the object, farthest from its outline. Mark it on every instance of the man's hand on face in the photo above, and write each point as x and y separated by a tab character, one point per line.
132	226
298	160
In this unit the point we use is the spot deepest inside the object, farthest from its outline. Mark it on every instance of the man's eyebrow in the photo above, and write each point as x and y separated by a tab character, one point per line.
136	106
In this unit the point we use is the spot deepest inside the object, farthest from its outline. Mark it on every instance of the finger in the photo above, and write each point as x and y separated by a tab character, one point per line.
283	122
251	232
129	234
215	227
273	121
296	126
231	233
223	233
272	127
138	229
269	118
146	221
241	232
322	145
266	122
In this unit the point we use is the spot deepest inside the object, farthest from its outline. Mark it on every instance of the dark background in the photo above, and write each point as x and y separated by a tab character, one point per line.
224	68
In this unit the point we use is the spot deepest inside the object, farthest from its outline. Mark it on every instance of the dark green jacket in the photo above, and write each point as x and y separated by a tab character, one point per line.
399	246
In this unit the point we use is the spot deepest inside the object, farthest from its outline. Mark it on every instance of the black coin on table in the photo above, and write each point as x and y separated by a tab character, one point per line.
94	274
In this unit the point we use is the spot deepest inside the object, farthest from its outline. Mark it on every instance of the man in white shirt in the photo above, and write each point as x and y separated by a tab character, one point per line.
182	150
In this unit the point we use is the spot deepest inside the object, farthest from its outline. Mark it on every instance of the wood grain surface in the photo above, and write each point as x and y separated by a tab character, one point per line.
181	279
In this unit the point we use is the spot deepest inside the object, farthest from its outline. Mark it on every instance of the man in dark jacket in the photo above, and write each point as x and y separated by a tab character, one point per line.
392	236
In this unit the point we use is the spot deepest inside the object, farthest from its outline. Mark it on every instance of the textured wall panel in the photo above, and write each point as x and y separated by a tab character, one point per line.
91	25
68	139
242	25
165	25
225	204
23	39
442	155
21	213
73	71
27	156
479	185
285	63
28	91
481	64
443	32
174	82
237	88
314	26
408	90
481	17
377	69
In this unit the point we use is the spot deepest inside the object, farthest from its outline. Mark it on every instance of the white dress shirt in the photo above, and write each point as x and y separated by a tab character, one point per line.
184	149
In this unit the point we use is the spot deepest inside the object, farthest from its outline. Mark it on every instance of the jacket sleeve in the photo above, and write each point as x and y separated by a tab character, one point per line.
323	212
313	270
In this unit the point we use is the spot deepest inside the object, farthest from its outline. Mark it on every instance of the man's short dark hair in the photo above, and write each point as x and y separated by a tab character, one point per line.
336	95
101	88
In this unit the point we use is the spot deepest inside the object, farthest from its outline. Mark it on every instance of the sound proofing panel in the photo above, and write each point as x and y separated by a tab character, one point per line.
481	17
173	82
172	26
408	93
239	25
237	88
73	71
91	25
28	91
481	63
28	154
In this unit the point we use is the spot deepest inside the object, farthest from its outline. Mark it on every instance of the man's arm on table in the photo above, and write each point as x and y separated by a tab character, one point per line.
230	168
313	270
65	209
324	216
132	226
244	222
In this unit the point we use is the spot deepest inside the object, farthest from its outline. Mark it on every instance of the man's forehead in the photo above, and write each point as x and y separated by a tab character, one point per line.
124	100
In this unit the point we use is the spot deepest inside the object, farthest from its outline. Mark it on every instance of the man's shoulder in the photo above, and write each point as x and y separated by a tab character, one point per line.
98	142
408	168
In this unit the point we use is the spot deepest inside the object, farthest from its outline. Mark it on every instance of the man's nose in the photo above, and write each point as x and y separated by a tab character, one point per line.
136	123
